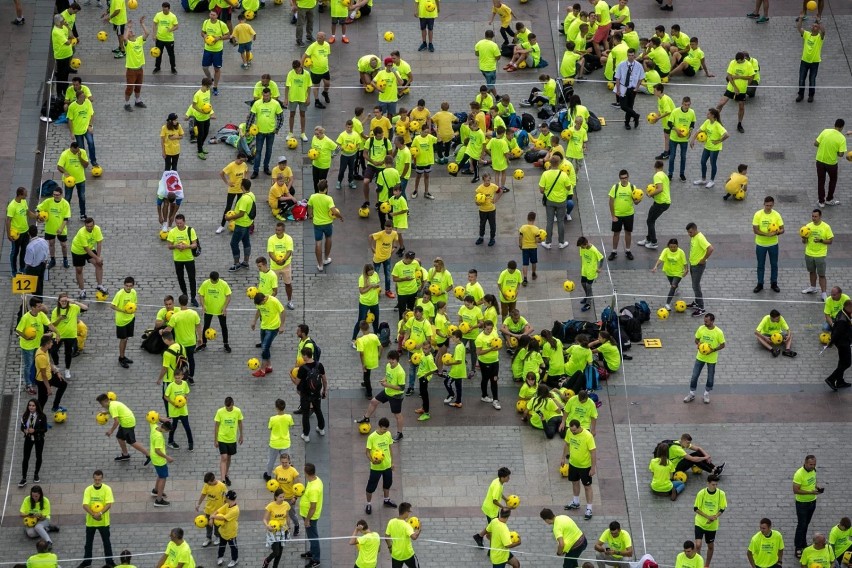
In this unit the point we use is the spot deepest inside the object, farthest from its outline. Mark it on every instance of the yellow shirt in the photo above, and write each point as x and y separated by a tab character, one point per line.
235	173
243	32
171	146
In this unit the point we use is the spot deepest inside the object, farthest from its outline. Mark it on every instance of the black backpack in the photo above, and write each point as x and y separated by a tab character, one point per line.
47	188
53	108
317	352
312	384
253	211
197	251
527	122
669	443
384	334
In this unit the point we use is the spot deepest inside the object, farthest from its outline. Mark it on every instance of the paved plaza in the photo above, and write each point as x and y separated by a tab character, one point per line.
766	413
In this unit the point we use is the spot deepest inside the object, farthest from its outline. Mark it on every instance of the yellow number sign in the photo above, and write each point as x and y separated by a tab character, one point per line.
24	284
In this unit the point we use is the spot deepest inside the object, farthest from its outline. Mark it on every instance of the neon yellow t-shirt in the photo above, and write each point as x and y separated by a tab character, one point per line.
228	421
813	249
400	531
714	337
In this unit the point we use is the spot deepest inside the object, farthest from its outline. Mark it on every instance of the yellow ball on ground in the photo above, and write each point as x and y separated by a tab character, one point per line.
364	212
60	416
100	296
679	476
663	313
102	36
453	168
130	308
696	470
522	65
292	143
664	80
272	485
388	36
253	363
132	4
680	306
520	406
152	417
512	501
518	174
364	428
97	171
568	285
313	154
210	333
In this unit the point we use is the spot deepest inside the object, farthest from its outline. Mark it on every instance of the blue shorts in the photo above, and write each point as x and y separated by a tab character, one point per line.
162	471
529	256
427	23
213	58
244	47
490	78
160	201
322	230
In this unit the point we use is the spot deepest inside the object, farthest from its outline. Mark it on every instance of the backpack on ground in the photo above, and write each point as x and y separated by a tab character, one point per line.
507	50
514	121
592	377
152	342
644	311
522	137
567	331
594	122
312	384
53	108
527	122
555	124
384	334
48	187
566	92
300	211
631	328
544	112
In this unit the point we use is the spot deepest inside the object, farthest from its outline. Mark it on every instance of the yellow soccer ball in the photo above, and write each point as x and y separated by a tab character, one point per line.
610	85
510	294
680	306
518	174
82	330
97	171
69	181
521	406
776	338
292	143
294	372
563	470
547	165
253	363
464	327
388	36
351	147
772	227
378	456
152	417
696	470
132	4
740	195
369	86
308	62
514	537
664	80
522	65
274	524
249	14
272	485
385	207
345	3
219	522
542	234
206	108
652	117
805	232
849	156
434	289
414	126
381	84
364	428
75	63
517	152
371	317
447	359
812	5
60	416
512	501
253	130
825	338
453	168
638	194
96	507
416	358
418	274
155	52
364	212
169	315
539	144
701	137
29	332
663	313
451	329
430	6
112	396
251	292
565	167
313	154
568	285
459	292
682	132
180	401
704	348
102	418
566	134
100	296
278	2
679	476
209	40
651	187
210	334
513	341
409	344
414	522
130	308
102	36
30	521
496	343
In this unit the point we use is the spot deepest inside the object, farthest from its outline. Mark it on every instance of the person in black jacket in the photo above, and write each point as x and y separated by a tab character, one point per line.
33	426
841	338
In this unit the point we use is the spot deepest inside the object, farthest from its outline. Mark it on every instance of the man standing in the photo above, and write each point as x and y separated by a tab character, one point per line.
63	51
297	91
186	325
178	553
709	340
269	117
319	52
159	459
72	164
739	74
628	74
243	217
816	241
167	24
226	423
310	509
304	10
621	210
766	549
811	56
405	275
841	338
18	214
183	242
56	226
709	505
382	244
215	295
488	53
400	535
379	455
214	32
36	257
81	120
232	175
830	144
135	64
427	12
322	212
700	250
662	201
312	386
581	456
87	247
125	318
97	501
767	225
557	186
681	123
570	540
279	247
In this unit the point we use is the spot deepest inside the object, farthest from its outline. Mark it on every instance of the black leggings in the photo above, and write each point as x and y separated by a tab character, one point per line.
235	552
424	393
506	33
551	427
229	202
70	345
203	130
275	555
474	163
171	162
223	322
489	217
489	375
189	267
347	162
29	444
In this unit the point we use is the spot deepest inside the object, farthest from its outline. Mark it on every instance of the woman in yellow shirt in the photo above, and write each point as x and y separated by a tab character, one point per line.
170	136
275	520
227	519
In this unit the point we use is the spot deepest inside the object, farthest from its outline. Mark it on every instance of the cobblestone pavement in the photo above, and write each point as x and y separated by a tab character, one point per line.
766	414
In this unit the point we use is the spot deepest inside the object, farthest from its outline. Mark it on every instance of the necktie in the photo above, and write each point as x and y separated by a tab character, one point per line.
627	79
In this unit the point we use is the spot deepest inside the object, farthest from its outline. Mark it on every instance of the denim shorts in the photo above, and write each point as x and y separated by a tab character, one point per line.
244	47
322	230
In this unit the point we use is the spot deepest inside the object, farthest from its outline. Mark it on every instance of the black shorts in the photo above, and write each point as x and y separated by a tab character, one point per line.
689	71
317	77
394	401
580	474
124	331
365	10
735	97
227	448
119	29
223	13
408	562
706	536
370	172
62	238
126	434
386	475
623	222
79	260
661	72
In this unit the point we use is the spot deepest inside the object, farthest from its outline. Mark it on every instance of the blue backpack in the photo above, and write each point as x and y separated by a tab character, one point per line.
522	137
592	377
47	188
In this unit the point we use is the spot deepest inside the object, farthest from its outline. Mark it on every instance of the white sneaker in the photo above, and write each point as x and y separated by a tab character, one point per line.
304	137
824	295
307	439
652	246
710	184
232	563
706	398
668	307
569	218
320	431
289	135
327	261
220	230
641	243
689	398
164	227
320	268
449	399
206	543
496	405
563	245
220	561
487	399
699	182
291	305
810	290
832	202
546	245
67	373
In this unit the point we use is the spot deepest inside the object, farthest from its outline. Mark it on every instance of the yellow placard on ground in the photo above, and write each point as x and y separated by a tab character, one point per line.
652	343
24	284
602	120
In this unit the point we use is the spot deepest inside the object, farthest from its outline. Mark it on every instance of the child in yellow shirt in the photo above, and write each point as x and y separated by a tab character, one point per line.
245	36
443	121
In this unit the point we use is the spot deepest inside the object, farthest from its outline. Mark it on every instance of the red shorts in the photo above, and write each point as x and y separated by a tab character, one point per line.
602	33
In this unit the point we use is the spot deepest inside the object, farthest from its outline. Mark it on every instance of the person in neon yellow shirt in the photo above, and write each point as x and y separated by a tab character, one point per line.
43	558
319	52
570	541
501	541
488	357
125	422
368	544
272	319
310	509
219	31
689	558
322	212
215	296
72	161
766	548
166	23
389	80
400	535
178	553
711	335
818	555
771	324
488	52
297	90
767	225
716	135
614	544
279	436
811	56
124	320
591	261
178	387
830	144
581	455
134	63
241	216
269	117
392	393
673	260
709	505
820	236
740	73
700	250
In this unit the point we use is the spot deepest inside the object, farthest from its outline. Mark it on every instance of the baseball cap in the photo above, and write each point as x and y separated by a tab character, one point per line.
282	159
388	60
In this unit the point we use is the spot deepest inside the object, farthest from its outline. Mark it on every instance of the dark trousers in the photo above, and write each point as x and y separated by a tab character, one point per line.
696	271
41	388
312	532
235	552
171	162
169	46
223	323
506	33
347	163
362	316
489	217
63	69
404	303
274	557
203	131
308	405
190	356
424	394
627	100
38	272
182	420
386	268
761	252
189	267
804	513
318	174
90	541
443	149
229	202
474	163
654	213
16	256
70	345
673	149
822	170
56	382
368	386
808	70
260	141
489	376
844	361
551	427
29	444
705	466
572	557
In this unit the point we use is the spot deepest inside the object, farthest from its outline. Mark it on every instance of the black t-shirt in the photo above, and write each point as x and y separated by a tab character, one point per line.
304	370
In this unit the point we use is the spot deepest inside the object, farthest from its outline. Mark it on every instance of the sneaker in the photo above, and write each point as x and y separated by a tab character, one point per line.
65	263
456	404
821	204
296	531
641	243
650	245
710	184
215	92
320	268
368	509
227	348
390	294
810	290
398	437
832	202
762	20
122	458
22	482
291	305
206	543
389	504
758	288
775	287
699	182
345	39
363	420
67	374
612	255
586	308
414	194
449	399
320	431
128	108
740	128
140	104
173	446
233	563
303	137
699	312
569	218
546	245
479	540
479	241
682	178
525	103
628	254
306	438
571	506
423	417
161	503
752	16
689	398
831	384
431	48
496	405
234	268
487	399
706	398
663	156
422	47
588	515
